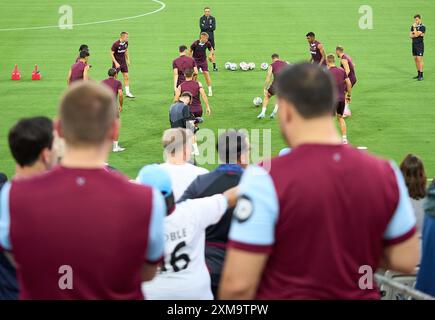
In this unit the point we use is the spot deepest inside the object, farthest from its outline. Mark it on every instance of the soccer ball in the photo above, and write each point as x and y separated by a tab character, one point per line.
264	66
228	65
251	65
233	67
244	66
257	101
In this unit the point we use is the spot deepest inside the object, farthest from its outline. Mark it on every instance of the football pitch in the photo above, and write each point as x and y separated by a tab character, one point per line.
392	114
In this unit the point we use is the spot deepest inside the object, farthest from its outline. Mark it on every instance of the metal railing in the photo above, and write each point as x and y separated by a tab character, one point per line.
401	288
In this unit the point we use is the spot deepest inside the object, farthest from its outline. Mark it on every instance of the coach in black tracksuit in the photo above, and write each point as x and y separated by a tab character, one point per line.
233	148
207	23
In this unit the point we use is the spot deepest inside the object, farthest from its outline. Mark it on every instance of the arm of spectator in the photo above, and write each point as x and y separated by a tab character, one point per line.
252	235
156	241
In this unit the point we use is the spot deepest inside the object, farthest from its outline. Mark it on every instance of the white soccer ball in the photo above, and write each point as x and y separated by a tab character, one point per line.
257	101
228	65
233	67
251	65
244	66
264	66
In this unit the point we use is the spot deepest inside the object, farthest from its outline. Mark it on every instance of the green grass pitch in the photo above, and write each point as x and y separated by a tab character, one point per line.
392	114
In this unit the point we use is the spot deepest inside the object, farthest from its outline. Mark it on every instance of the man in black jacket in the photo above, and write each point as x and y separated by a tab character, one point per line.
233	149
207	23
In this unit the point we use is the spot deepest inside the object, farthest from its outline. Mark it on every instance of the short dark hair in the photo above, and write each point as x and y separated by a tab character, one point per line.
86	113
415	177
188	73
417	16
83	47
309	87
28	137
123	33
340	48
84	54
275	56
206	8
182	48
310	34
231	145
112	72
187	94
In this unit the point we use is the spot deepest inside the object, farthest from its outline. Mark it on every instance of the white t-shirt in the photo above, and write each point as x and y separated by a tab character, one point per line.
182	176
184	275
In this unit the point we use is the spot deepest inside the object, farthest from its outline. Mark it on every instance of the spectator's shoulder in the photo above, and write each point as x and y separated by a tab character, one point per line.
429	204
202	171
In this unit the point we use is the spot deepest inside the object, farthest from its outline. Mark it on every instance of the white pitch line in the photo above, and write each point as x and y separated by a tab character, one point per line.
162	7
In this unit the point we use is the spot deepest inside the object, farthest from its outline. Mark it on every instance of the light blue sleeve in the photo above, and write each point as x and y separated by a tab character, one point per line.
156	242
257	209
5	217
403	219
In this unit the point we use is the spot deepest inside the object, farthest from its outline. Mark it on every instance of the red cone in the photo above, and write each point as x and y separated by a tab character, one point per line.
35	74
16	75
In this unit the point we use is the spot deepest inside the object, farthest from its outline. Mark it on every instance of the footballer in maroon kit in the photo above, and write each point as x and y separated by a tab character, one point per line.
197	91
116	86
79	70
348	66
198	51
181	64
121	60
269	89
317	50
344	89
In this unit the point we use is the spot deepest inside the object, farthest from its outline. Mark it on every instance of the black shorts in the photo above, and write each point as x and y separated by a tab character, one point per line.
340	107
272	89
214	258
418	49
211	39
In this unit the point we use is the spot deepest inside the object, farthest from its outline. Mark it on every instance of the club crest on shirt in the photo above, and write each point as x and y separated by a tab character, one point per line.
244	209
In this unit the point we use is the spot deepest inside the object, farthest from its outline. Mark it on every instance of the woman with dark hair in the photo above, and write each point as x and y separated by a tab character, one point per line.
415	178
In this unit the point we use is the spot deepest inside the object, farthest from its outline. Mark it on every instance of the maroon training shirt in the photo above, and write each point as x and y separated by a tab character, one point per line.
77	70
193	87
92	220
119	48
200	50
315	52
183	63
113	84
340	80
352	75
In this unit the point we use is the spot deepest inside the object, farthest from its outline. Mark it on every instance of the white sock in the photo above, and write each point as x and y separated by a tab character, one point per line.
275	110
115	144
127	89
344	137
195	148
209	88
263	111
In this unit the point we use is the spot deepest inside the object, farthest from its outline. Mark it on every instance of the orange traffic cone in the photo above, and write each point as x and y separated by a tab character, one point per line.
35	74
16	75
